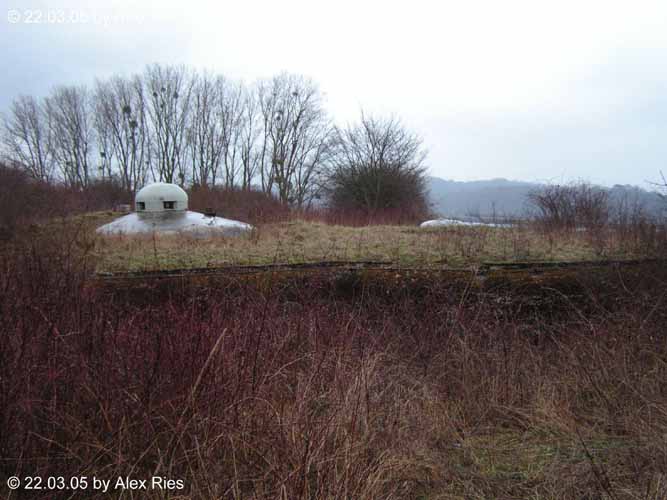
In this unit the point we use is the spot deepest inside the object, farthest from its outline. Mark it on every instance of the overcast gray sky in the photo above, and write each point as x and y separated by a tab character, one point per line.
527	90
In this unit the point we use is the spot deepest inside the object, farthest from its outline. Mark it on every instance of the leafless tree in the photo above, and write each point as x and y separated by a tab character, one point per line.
27	138
169	92
172	125
122	126
105	142
70	120
250	132
266	101
204	136
231	116
216	131
378	164
294	139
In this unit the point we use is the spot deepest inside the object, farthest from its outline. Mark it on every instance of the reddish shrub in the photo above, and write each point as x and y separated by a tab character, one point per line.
24	200
245	205
360	218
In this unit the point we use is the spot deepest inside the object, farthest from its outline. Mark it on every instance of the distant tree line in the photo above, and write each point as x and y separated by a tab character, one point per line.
174	124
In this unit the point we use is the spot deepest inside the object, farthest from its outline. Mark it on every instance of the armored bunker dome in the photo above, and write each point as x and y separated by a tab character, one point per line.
161	197
163	208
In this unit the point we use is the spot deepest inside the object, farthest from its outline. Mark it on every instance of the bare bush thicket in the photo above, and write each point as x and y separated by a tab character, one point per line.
378	165
25	200
568	207
21	197
618	226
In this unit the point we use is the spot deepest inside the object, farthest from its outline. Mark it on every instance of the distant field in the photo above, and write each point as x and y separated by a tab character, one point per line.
299	241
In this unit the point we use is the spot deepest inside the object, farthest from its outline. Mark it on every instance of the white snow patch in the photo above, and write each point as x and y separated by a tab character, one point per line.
174	223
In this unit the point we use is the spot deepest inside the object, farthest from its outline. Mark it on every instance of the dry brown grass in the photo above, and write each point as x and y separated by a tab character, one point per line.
324	388
334	386
298	241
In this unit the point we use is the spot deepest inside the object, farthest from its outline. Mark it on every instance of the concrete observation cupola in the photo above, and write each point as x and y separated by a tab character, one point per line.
161	197
163	208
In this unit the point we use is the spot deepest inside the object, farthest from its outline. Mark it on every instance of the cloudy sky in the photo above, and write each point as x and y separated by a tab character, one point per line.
527	90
